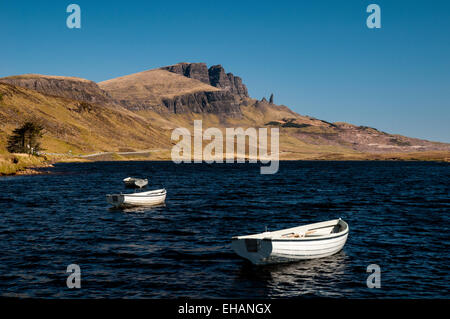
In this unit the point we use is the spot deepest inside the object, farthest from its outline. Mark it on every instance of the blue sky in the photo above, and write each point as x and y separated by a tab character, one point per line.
317	57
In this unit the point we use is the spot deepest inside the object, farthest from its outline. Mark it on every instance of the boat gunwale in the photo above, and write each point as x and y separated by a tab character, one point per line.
144	194
147	195
325	237
277	238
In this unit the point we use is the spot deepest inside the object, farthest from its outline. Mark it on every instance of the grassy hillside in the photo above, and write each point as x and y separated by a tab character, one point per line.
75	126
303	137
152	86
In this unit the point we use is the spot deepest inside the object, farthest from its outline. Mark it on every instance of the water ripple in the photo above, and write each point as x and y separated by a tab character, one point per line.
397	212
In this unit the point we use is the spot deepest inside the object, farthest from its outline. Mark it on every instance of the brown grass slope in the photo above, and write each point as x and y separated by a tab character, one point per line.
151	87
75	126
303	137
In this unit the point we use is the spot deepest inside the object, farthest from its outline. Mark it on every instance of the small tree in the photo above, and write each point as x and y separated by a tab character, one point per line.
25	139
271	99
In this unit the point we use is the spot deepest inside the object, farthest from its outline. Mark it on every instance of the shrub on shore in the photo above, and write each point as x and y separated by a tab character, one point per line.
11	164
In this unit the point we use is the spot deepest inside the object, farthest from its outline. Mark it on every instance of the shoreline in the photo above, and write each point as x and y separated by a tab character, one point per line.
22	164
38	168
28	171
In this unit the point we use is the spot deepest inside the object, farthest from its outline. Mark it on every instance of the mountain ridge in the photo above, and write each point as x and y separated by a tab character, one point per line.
62	86
139	111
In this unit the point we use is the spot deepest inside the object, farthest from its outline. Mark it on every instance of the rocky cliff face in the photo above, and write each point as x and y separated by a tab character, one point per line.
214	76
227	81
68	87
197	71
217	102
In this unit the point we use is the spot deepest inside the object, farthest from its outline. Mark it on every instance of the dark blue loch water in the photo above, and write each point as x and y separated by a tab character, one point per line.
398	215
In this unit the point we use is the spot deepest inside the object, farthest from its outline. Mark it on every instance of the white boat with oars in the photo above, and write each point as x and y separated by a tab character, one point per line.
149	198
135	182
293	244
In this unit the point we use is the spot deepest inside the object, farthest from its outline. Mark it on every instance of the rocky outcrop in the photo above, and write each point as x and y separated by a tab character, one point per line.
226	81
170	91
217	102
214	76
239	87
68	87
197	71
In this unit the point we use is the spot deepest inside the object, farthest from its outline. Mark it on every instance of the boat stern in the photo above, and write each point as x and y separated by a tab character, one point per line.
115	199
255	250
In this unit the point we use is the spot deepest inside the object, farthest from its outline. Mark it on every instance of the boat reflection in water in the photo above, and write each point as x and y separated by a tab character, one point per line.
138	209
324	277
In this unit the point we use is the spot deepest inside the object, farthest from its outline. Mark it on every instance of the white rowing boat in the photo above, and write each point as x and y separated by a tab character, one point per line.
293	244
150	198
135	182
